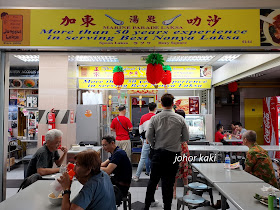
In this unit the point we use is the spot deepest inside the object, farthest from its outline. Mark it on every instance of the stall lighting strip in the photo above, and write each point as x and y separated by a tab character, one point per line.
28	58
228	58
200	58
88	58
80	58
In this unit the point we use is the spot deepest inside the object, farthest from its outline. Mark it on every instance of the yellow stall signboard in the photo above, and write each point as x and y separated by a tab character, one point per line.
140	71
131	28
145	28
143	84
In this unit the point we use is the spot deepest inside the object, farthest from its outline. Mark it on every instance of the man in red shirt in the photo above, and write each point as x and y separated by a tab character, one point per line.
122	125
219	137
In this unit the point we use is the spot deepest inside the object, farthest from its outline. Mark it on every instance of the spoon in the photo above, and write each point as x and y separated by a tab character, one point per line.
267	19
168	22
117	22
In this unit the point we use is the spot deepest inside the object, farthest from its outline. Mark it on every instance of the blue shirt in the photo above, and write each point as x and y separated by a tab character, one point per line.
123	171
97	193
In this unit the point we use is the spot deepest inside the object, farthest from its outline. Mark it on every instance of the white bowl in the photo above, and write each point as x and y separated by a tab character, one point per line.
55	201
76	147
89	146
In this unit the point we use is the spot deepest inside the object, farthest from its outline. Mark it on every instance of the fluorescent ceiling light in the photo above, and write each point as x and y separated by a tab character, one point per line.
228	58
90	58
191	58
28	58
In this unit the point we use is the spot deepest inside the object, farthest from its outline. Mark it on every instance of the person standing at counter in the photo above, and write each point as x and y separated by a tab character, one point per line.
144	122
165	133
118	164
122	126
97	191
42	160
257	162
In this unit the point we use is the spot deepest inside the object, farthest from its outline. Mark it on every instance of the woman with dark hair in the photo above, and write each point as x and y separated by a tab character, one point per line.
97	192
183	170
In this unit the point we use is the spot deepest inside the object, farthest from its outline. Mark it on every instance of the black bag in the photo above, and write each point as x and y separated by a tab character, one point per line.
29	180
152	152
118	195
131	136
143	135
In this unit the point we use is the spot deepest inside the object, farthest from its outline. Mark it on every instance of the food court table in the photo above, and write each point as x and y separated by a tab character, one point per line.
215	173
71	153
35	197
242	195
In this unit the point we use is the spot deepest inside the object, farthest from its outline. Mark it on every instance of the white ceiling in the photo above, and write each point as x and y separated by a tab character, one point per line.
143	4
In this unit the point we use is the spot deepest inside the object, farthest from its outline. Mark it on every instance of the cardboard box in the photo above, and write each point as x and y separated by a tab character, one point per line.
12	161
135	158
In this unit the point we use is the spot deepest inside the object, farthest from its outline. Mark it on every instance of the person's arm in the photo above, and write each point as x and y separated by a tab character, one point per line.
130	126
113	128
185	132
150	133
60	160
250	162
47	171
109	169
105	163
65	182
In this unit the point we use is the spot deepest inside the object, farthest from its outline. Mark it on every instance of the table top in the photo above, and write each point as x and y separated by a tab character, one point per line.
242	195
35	197
95	148
271	147
232	148
233	139
202	148
215	173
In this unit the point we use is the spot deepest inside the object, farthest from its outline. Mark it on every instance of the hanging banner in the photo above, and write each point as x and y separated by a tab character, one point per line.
143	84
139	28
140	71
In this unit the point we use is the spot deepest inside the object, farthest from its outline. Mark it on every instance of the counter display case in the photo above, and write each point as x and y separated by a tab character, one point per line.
196	125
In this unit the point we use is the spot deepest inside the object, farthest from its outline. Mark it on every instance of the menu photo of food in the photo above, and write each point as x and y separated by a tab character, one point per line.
270	27
30	83
182	102
15	83
206	71
13	94
194	105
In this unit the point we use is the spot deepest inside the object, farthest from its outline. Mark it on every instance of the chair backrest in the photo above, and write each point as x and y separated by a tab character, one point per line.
29	180
84	143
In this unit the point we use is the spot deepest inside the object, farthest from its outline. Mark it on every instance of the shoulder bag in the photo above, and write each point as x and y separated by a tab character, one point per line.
129	133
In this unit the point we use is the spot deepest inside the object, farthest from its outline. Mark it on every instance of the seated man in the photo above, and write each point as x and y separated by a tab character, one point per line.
239	129
219	137
42	160
118	164
257	162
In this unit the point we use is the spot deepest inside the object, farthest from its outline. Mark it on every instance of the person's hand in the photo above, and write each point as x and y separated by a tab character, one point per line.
64	150
65	181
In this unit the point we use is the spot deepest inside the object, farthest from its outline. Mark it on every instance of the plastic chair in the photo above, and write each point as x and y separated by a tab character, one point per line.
127	201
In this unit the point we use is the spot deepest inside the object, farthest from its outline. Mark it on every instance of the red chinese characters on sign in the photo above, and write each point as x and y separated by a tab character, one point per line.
151	19
134	19
213	20
67	20
196	21
96	72
87	20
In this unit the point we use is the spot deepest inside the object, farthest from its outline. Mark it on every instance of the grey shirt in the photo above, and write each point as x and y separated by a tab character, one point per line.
167	130
43	158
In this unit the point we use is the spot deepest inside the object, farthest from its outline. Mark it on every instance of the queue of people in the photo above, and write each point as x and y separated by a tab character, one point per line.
164	135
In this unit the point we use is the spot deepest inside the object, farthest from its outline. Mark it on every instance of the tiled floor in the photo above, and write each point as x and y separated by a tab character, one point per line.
137	193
